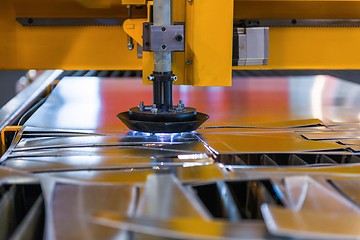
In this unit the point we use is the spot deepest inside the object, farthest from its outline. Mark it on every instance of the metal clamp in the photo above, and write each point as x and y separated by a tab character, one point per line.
163	38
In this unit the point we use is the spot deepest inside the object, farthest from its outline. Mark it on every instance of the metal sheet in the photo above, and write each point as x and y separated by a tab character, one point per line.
206	172
128	140
31	223
338	135
102	181
268	143
10	175
344	127
71	163
249	100
310	224
317	207
301	124
7	213
121	151
73	206
350	141
185	228
349	188
355	148
164	197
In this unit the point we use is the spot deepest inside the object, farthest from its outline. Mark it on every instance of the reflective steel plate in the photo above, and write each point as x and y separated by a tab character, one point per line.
277	159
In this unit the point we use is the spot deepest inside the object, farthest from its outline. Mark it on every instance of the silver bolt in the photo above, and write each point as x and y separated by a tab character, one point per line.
180	105
188	61
179	37
154	109
174	78
151	77
141	106
130	45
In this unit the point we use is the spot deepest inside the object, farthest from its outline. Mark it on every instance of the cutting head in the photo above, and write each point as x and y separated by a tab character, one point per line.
173	122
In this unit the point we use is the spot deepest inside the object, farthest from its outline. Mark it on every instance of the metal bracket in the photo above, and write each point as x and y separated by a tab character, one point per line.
251	46
163	38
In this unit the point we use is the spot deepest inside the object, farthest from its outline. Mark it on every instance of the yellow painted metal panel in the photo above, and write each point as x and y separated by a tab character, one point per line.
67	48
209	42
62	47
148	57
134	28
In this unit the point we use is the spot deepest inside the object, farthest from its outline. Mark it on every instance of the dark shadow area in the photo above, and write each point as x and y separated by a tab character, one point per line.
8	81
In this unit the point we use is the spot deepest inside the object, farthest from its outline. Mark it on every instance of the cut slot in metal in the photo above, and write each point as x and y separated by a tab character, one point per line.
21	206
237	200
283	159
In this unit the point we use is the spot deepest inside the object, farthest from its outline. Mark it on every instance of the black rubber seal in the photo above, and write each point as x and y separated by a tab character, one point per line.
163	126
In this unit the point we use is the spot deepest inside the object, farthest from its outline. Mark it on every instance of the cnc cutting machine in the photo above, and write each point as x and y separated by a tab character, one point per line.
193	43
278	157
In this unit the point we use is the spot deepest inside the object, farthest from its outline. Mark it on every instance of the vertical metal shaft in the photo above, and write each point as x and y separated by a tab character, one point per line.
162	83
162	17
130	44
167	95
157	90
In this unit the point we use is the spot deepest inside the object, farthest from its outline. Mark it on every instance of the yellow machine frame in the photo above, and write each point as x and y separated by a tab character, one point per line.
208	48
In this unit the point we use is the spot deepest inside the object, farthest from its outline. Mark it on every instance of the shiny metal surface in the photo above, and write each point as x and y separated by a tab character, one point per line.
262	167
101	141
318	208
121	151
17	106
90	103
164	205
9	175
78	203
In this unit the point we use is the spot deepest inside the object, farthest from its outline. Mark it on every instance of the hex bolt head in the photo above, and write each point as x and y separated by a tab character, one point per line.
163	47
174	78
151	77
130	46
154	110
141	106
179	37
180	106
